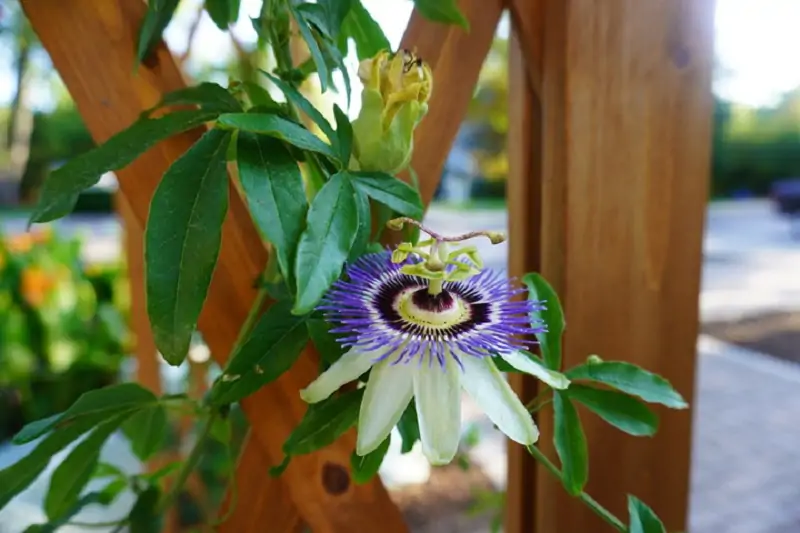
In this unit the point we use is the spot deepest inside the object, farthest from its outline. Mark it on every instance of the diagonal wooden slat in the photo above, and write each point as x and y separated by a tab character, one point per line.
456	57
91	43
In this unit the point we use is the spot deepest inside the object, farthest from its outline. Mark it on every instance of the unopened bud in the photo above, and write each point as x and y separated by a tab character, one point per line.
496	236
396	224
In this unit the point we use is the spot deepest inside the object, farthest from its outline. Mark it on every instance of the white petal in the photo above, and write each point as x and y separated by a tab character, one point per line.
438	396
349	366
490	390
521	362
388	393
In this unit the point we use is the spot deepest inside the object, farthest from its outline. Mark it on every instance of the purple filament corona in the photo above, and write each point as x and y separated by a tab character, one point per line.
364	310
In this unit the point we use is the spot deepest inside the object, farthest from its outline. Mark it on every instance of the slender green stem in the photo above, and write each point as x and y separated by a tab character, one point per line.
590	502
191	462
250	321
533	405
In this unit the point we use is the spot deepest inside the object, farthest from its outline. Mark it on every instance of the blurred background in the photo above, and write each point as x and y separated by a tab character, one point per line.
65	305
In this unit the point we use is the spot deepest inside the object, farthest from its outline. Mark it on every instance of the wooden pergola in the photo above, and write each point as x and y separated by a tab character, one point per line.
609	150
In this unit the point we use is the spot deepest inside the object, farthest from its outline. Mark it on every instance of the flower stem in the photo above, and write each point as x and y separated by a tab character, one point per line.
191	462
590	502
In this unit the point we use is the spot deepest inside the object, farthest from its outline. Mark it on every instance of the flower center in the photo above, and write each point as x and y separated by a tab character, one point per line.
439	311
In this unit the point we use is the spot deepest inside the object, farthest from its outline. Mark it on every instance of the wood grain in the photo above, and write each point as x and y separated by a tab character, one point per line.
91	43
525	209
626	116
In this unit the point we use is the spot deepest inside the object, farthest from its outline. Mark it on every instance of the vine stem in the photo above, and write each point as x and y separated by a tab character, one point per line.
590	502
190	464
197	451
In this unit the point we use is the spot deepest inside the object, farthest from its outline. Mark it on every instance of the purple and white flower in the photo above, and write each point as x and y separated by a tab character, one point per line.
429	346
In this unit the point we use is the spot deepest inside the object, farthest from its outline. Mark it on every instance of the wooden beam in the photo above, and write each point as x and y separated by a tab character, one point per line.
524	209
527	17
91	44
456	57
626	94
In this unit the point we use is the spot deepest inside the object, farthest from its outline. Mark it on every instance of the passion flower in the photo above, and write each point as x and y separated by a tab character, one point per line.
429	338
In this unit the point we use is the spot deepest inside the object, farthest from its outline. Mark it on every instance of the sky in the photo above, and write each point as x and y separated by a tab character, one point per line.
756	44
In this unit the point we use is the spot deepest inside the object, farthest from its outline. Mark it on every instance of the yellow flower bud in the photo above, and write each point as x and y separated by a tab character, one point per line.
394	100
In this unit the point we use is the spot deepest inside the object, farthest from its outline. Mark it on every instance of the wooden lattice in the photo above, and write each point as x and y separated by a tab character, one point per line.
610	112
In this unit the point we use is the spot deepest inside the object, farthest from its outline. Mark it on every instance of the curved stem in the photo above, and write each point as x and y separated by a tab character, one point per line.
190	464
494	236
590	502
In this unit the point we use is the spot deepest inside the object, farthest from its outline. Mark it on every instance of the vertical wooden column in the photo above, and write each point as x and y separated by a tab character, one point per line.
525	209
618	206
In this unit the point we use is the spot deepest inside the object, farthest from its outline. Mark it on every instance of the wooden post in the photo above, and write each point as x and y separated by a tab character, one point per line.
621	192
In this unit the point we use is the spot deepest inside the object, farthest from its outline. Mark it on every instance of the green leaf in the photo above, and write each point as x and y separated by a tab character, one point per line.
112	491
362	28
72	475
408	426
313	47
275	194
642	517
95	406
144	516
222	430
280	128
570	443
331	228
17	477
223	12
294	96
146	431
53	526
158	16
335	11
632	379
365	467
182	241
61	188
273	346
323	423
328	348
392	192
550	341
260	97
364	226
103	470
338	59
36	429
444	11
344	134
209	96
618	409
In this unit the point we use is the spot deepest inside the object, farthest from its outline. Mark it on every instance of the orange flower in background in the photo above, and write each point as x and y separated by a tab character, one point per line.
42	236
19	244
36	285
